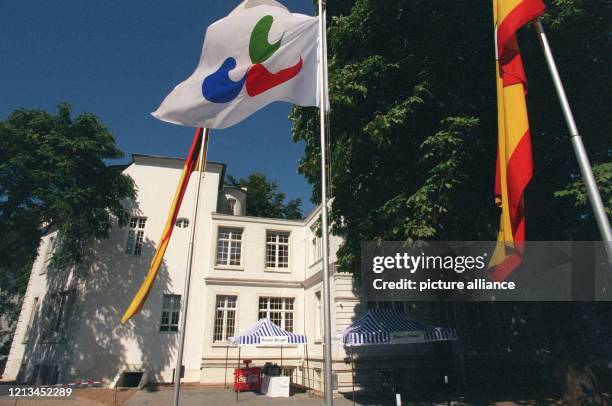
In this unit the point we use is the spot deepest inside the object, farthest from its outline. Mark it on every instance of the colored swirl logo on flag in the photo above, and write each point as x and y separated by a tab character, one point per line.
218	87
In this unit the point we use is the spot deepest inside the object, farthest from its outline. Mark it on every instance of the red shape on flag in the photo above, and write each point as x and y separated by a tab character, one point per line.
259	79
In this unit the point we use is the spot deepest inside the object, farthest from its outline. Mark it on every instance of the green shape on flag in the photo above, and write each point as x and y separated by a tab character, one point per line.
259	47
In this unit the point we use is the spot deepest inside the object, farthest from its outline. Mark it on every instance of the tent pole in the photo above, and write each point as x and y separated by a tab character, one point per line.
307	367
236	383
353	375
281	366
225	375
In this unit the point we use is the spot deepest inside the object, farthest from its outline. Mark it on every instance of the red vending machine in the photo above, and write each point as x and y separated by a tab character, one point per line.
247	378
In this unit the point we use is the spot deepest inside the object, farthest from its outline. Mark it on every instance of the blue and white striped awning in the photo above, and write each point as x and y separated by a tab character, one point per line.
265	332
382	326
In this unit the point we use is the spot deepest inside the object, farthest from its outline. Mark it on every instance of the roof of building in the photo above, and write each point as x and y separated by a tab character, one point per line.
171	158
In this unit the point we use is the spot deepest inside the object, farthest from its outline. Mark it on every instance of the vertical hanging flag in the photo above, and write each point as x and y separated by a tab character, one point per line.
192	164
514	162
258	54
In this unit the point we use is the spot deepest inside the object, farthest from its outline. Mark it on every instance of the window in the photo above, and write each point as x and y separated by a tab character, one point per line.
279	310
133	245
171	309
277	249
30	320
229	246
318	321
231	206
44	375
225	318
182	222
56	313
316	247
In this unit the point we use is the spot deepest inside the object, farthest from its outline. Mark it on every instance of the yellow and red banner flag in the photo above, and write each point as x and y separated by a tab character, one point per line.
514	162
192	163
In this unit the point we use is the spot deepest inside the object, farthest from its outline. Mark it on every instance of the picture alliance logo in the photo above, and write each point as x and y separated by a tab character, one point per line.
413	263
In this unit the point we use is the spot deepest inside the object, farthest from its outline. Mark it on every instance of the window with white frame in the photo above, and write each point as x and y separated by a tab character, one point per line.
318	320
171	311
280	310
135	238
229	246
231	206
225	318
277	249
316	247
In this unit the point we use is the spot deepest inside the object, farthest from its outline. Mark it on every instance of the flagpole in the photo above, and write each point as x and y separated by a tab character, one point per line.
581	155
179	357
327	354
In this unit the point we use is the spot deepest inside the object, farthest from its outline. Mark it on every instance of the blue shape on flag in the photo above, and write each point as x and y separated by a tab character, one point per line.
218	87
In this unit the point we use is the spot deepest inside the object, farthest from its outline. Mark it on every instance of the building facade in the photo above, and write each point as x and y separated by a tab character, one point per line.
244	268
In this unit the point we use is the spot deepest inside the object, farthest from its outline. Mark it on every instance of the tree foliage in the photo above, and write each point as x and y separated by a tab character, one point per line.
264	199
53	176
413	121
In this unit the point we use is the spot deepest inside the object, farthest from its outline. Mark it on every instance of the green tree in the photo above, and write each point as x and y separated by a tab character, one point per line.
264	199
53	176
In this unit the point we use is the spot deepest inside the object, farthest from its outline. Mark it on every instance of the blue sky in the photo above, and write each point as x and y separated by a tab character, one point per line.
119	59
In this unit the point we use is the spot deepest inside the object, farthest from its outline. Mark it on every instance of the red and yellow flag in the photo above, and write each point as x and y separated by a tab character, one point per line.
514	162
191	164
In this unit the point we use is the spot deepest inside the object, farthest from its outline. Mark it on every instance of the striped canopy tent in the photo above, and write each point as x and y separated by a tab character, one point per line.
386	326
383	326
265	332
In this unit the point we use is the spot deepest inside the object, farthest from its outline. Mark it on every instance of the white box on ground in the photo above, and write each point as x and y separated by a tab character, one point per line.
275	386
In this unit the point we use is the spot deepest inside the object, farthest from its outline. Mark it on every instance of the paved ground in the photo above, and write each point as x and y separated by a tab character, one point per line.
218	397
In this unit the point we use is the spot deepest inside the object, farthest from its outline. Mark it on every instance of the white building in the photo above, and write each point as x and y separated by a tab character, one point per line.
245	268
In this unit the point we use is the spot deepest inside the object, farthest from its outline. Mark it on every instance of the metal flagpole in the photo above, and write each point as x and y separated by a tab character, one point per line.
327	354
583	160
179	357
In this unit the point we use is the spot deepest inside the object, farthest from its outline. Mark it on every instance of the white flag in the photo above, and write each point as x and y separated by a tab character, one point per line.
258	54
